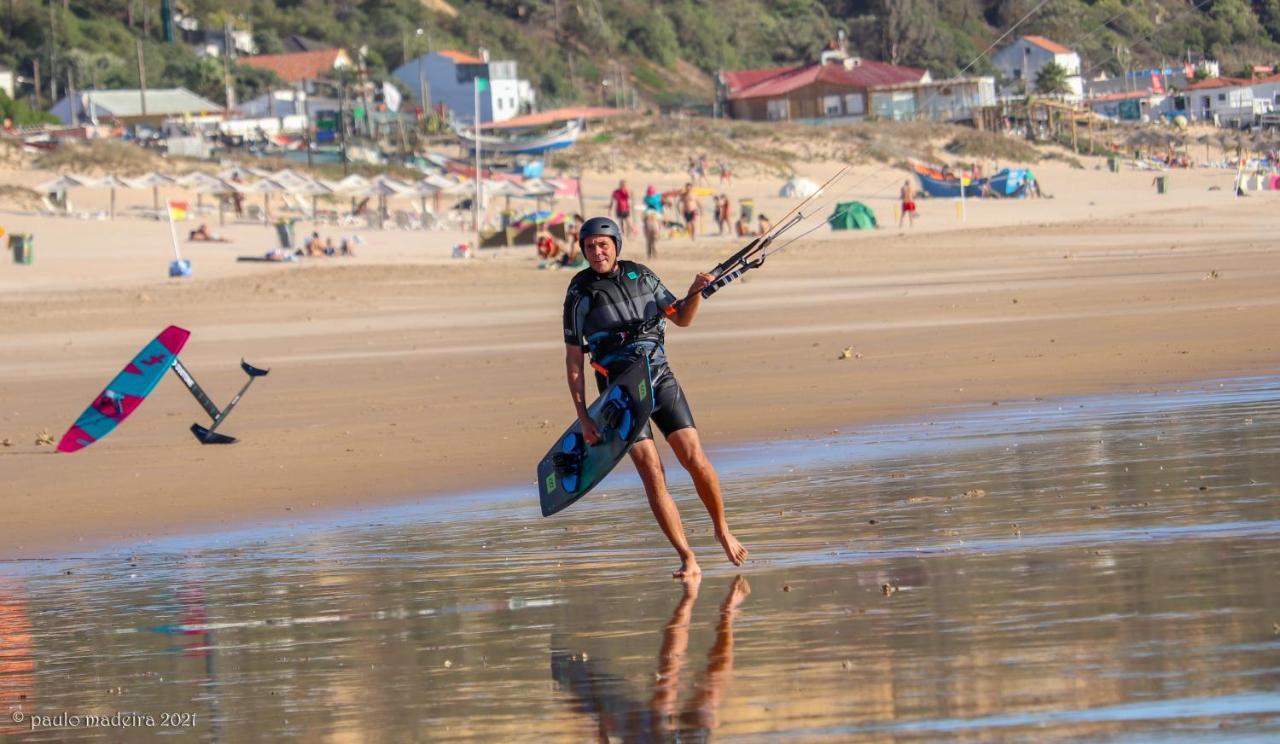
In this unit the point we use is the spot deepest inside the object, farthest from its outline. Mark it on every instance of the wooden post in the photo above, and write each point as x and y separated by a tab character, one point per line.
1074	144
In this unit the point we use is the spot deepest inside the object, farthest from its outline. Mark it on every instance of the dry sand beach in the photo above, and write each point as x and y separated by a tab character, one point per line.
402	374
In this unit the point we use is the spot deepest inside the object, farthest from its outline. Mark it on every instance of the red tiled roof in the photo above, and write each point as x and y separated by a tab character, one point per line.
461	57
1218	82
556	115
869	74
736	80
297	66
1047	45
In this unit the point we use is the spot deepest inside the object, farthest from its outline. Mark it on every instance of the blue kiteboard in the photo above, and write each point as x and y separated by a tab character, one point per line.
572	467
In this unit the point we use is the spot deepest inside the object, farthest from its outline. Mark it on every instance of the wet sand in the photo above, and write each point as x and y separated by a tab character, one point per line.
1084	568
401	375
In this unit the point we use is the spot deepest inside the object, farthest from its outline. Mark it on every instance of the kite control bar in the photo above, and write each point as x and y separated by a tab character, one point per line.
210	435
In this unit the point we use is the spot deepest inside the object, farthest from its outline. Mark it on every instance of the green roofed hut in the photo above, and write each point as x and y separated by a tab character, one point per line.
852	216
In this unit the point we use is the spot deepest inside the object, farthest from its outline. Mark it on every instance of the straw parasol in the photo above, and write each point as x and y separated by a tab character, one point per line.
382	187
212	185
63	183
113	182
153	180
242	173
266	187
312	188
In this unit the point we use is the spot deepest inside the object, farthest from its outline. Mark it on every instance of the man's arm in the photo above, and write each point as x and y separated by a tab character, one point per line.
688	308
575	372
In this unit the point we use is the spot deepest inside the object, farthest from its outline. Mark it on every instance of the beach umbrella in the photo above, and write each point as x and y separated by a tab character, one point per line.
266	187
383	187
154	181
290	179
112	182
1204	140
212	185
311	188
352	184
540	217
203	183
428	187
63	183
242	173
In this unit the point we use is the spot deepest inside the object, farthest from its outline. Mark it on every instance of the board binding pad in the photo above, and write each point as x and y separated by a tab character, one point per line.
126	391
571	468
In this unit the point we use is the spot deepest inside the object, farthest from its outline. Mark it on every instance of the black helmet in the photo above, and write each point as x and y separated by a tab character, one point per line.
600	226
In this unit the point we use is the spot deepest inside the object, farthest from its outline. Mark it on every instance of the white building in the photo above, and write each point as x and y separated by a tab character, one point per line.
6	80
1021	61
448	78
1221	100
1268	89
126	107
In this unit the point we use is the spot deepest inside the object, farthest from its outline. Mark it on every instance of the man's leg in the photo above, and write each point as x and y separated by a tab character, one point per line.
649	465
688	448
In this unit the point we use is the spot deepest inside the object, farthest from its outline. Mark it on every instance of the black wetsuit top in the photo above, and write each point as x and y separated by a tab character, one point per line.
618	317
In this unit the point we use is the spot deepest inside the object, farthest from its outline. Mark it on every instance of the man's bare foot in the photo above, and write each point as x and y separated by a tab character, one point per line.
688	570
732	548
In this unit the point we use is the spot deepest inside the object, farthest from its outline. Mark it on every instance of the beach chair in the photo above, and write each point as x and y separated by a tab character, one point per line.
49	209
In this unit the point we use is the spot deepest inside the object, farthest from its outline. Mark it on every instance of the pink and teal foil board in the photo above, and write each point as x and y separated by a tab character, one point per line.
126	391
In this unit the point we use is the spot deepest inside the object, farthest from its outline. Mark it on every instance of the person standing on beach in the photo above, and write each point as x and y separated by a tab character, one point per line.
652	226
689	208
620	203
617	311
908	204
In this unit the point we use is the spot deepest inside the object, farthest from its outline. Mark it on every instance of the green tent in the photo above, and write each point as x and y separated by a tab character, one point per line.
852	216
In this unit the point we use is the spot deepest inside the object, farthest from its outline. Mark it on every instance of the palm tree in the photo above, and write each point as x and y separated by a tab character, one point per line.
1052	80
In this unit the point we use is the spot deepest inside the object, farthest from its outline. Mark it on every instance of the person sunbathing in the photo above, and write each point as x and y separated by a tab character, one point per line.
202	234
548	246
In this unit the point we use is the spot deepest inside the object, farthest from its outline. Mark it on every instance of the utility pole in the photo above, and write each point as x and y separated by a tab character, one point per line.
71	96
142	76
229	90
53	55
35	73
342	131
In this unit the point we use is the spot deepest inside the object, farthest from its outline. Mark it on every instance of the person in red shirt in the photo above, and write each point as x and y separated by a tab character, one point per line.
620	203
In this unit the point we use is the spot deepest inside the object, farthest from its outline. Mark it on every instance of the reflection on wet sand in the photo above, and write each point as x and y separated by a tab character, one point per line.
619	710
17	657
1105	571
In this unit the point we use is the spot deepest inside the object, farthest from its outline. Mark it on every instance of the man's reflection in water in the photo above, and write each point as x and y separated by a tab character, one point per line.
621	714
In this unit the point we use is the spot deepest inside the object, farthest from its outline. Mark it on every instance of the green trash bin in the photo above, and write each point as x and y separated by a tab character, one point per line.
1113	164
1162	184
23	247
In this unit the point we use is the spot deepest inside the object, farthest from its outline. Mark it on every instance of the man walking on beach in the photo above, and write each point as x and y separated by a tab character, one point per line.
908	204
617	311
689	208
620	203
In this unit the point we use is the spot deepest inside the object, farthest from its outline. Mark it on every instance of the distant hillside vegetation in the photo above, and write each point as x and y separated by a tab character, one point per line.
661	51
